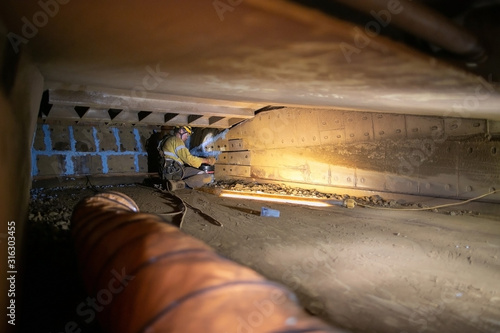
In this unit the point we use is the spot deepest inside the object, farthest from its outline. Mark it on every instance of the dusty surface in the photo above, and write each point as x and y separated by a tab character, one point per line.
360	269
270	53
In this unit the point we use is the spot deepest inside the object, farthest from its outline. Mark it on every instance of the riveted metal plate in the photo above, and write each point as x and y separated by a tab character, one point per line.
285	140
367	179
283	119
479	157
444	154
294	162
264	172
332	137
84	137
474	184
236	145
59	135
405	157
272	157
389	126
494	127
463	127
283	126
261	130
308	139
127	140
306	128
402	161
107	140
317	172
53	165
358	126
121	164
283	174
424	127
143	163
238	158
401	184
435	181
330	120
209	147
221	145
146	134
341	176
243	129
224	171
87	164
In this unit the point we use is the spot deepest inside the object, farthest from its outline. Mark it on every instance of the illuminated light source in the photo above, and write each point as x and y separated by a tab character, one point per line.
275	198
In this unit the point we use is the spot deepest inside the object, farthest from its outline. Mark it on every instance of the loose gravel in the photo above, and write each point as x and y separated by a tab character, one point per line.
373	200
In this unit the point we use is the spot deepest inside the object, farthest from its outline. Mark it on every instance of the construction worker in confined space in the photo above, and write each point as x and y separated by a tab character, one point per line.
177	164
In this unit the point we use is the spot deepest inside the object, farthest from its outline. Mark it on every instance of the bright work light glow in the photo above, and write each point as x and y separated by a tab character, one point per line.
275	198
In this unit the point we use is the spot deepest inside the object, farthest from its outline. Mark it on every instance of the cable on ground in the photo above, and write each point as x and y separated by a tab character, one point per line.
428	208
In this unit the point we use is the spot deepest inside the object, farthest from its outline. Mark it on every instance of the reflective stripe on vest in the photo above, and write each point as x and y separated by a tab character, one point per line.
179	148
167	153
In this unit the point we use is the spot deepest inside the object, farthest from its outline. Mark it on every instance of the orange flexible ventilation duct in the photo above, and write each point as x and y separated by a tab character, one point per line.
145	275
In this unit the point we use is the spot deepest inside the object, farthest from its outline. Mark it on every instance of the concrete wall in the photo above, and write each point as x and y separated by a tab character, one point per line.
434	156
74	150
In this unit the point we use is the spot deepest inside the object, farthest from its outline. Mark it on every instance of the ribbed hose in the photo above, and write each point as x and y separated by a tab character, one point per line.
147	276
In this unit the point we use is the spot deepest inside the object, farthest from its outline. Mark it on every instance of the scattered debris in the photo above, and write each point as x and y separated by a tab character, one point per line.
50	209
282	189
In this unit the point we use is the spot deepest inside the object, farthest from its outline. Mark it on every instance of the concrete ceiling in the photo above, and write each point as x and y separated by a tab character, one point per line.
231	55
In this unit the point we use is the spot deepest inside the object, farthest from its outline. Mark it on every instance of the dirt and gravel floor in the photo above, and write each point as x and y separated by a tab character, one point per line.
360	269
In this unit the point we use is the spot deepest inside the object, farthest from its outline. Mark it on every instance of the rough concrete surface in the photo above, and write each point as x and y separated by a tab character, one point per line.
360	269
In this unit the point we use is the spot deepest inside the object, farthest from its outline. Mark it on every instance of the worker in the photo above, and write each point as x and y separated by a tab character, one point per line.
177	163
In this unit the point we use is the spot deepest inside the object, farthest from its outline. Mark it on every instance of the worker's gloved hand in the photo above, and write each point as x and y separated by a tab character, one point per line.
210	160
